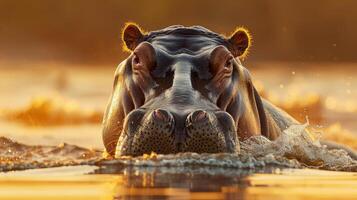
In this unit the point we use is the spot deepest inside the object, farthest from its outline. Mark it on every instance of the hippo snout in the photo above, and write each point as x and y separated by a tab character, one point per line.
166	132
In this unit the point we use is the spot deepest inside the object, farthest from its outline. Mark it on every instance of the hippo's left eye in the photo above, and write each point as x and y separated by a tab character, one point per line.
221	62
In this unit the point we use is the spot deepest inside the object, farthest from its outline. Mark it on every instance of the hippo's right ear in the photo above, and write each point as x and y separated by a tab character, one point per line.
132	35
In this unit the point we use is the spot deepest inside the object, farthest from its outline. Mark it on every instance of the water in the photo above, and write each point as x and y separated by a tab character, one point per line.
281	169
109	183
17	156
295	148
263	170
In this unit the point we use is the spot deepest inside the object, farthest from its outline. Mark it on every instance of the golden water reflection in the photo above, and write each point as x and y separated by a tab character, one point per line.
170	183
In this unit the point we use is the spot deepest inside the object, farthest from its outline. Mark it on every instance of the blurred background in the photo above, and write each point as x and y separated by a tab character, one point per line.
87	31
57	60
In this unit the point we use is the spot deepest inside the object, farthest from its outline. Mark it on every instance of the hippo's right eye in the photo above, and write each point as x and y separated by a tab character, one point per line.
136	59
137	65
143	58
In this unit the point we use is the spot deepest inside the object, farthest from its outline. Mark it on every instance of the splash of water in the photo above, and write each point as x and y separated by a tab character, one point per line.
295	148
298	144
17	156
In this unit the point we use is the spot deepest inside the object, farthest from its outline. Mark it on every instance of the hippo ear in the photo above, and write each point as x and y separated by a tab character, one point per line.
132	35
240	41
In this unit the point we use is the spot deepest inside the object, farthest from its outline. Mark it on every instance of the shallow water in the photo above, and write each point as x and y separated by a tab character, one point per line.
264	169
91	182
295	148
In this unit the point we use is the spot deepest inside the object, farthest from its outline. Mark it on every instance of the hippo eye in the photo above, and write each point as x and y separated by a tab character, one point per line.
143	58
136	59
229	63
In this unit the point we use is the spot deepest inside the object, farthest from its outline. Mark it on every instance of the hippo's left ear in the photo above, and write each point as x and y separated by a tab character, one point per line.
132	35
240	41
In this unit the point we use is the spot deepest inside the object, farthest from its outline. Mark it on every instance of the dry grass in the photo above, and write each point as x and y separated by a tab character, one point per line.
336	133
45	111
297	105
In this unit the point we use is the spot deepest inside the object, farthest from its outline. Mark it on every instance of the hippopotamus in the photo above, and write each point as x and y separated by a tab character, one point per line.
184	89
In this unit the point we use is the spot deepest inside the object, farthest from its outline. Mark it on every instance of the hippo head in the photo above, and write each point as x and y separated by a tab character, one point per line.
182	89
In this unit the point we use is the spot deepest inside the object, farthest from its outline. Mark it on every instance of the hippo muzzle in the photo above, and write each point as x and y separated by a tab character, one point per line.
165	129
182	89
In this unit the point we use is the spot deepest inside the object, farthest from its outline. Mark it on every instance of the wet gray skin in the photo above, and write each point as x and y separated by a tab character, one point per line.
184	89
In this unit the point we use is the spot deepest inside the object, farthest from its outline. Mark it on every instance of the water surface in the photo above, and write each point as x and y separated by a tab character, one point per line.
90	182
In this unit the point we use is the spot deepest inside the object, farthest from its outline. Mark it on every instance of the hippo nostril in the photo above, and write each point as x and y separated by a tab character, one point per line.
198	116
162	115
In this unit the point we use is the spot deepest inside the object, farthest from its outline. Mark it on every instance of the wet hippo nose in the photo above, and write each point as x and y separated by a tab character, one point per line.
162	115
166	131
197	117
